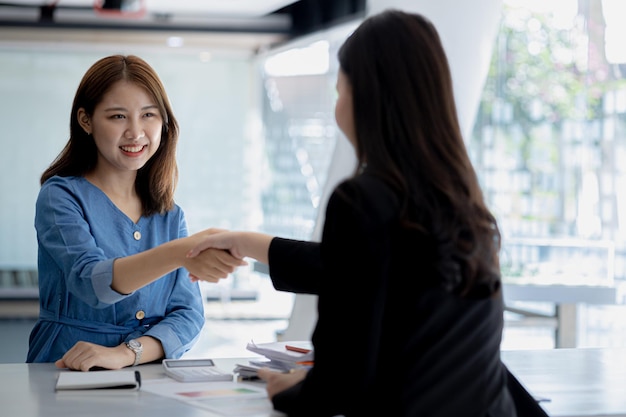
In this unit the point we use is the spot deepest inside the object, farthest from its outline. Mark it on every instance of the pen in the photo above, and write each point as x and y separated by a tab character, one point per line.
297	349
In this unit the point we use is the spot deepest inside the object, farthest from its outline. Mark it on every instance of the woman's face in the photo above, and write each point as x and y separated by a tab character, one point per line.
344	114
126	127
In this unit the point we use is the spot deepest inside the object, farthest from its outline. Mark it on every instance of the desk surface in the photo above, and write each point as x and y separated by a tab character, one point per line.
559	293
578	382
27	390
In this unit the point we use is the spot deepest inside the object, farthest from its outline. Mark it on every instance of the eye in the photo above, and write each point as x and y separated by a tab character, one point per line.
117	116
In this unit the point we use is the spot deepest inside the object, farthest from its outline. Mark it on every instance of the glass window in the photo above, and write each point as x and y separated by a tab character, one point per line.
549	135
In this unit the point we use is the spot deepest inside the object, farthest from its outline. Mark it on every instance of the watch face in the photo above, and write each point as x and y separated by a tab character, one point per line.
134	344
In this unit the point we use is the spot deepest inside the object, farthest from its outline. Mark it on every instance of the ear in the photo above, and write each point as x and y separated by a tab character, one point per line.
84	120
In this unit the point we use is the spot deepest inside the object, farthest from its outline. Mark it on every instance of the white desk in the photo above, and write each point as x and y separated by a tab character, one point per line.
579	383
566	272
27	390
566	298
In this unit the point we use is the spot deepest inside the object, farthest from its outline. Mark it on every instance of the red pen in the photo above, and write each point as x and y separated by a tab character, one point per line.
297	349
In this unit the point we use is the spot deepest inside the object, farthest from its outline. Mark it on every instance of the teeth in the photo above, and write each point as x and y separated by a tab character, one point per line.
136	148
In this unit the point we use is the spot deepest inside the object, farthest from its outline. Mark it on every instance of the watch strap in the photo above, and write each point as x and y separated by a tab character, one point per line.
137	349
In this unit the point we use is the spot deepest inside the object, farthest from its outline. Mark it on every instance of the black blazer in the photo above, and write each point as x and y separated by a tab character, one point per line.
389	341
525	404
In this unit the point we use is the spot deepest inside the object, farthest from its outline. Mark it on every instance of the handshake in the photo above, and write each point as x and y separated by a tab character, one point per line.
214	254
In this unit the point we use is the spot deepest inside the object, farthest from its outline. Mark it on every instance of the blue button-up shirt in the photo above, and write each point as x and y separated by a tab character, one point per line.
80	232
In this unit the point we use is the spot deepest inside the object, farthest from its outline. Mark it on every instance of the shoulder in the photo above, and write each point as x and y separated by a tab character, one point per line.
362	186
58	181
366	194
175	212
60	196
70	183
176	209
174	217
57	187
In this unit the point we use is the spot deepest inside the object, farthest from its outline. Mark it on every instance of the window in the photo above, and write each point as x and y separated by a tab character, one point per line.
549	132
547	145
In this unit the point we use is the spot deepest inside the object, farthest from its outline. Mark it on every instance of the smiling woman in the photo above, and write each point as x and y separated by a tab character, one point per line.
126	127
217	152
112	241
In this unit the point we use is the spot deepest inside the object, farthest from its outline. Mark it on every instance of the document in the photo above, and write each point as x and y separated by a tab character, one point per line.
279	356
225	398
123	379
293	351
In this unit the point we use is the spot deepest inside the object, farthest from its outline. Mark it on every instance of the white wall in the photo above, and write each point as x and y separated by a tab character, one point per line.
211	100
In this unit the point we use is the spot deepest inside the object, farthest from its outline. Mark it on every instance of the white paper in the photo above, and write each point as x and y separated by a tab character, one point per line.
278	350
226	398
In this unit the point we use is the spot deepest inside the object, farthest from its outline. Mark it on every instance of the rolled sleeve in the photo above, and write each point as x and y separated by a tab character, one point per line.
101	279
173	346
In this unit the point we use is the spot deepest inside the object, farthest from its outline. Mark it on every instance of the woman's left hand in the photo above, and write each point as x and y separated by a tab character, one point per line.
278	381
85	355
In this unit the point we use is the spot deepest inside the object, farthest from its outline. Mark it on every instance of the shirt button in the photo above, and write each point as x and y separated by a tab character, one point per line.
137	235
140	315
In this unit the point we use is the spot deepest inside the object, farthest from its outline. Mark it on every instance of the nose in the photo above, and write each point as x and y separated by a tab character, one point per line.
134	130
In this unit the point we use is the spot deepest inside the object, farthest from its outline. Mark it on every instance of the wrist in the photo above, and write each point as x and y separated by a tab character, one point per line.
135	348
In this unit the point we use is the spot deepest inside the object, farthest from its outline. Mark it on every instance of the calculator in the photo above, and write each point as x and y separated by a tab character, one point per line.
195	370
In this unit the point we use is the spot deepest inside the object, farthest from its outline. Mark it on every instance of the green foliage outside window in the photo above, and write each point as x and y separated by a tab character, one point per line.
550	129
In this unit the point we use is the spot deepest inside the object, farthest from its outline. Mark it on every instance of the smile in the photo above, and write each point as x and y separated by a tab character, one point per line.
133	149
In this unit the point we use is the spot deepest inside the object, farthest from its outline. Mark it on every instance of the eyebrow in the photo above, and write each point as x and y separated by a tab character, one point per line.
151	106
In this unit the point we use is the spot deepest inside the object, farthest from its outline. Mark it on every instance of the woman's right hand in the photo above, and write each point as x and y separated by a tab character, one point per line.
278	381
239	244
211	264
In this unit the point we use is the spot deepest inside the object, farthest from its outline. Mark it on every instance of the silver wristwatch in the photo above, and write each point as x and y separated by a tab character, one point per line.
136	346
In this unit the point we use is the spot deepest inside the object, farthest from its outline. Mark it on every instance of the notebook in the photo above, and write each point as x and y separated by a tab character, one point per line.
123	379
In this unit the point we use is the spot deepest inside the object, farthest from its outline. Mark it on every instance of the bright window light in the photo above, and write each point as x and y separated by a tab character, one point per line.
614	14
310	60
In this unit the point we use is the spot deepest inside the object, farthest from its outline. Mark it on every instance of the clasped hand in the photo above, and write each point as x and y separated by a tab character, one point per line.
211	264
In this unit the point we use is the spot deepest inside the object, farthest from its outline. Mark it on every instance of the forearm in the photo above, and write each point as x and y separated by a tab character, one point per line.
152	350
253	245
136	271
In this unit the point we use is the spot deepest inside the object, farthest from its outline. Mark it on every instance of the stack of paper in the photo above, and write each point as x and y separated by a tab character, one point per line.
280	356
247	372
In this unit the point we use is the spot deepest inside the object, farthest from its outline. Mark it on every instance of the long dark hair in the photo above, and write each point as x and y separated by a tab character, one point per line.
407	132
156	181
